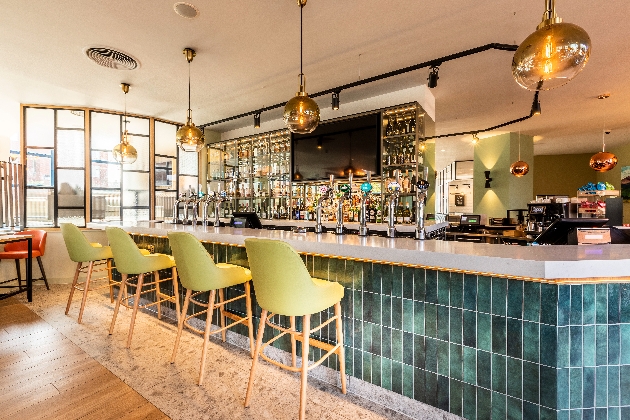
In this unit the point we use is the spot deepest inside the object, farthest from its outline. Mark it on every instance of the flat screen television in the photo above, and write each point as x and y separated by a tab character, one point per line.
558	232
245	220
336	148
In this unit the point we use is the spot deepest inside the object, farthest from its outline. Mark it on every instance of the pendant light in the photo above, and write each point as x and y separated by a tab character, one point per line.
301	113
553	55
519	168
603	161
125	152
190	138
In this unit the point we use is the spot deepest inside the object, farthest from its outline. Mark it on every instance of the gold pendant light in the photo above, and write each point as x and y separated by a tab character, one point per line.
519	168
603	161
125	152
553	55
190	138
301	113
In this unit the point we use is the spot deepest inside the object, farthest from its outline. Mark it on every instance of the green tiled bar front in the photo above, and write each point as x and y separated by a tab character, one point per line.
476	346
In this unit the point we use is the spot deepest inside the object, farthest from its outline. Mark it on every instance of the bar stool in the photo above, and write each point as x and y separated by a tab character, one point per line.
81	251
199	274
19	251
130	261
283	286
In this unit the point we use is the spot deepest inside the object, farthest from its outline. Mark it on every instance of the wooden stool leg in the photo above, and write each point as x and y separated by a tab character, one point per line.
109	278
123	287
41	268
180	324
306	329
259	338
73	288
86	289
176	293
19	274
250	323
221	316
156	277
341	354
206	335
293	347
136	302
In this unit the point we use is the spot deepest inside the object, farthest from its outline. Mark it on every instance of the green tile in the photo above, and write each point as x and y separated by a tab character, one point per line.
514	377
444	278
407	282
456	397
548	304
499	372
601	386
531	301
368	307
443	392
418	385
588	388
514	409
375	344
358	334
548	386
456	362
397	348
397	319
549	414
386	310
624	384
376	370
498	406
419	351
484	331
397	282
368	278
407	376
601	303
624	302
601	345
484	294
484	369
455	334
514	338
348	337
431	361
470	292
386	279
367	367
530	382
358	364
530	411
367	335
469	401
408	348
548	345
419	284
375	273
431	286
624	332
457	290
418	317
430	320
397	376
499	339
515	299
575	383
564	305
386	374
576	346
407	315
575	316
430	388
499	296
588	304
470	365
563	352
613	344
357	297
484	404
469	328
530	341
613	386
613	303
443	358
443	323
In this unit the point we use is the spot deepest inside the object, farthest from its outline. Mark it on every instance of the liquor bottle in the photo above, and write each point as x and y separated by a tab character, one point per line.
389	129
379	214
412	124
407	214
399	214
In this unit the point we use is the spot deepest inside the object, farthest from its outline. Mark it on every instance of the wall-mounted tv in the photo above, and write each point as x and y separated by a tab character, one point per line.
336	148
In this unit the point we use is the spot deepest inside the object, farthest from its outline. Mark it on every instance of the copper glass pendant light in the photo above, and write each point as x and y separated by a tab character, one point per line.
190	138
125	152
603	161
519	168
301	113
553	55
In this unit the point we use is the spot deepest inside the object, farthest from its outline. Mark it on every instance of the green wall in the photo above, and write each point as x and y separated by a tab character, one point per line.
562	174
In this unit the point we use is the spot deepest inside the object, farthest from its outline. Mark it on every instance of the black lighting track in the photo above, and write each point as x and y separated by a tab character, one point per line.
431	63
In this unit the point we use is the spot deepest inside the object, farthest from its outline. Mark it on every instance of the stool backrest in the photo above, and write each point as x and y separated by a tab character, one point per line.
281	280
39	242
127	255
195	267
76	243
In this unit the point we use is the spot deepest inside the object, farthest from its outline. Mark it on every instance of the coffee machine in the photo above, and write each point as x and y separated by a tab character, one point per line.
542	214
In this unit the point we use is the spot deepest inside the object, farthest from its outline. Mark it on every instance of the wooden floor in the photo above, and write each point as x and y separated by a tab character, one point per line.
43	375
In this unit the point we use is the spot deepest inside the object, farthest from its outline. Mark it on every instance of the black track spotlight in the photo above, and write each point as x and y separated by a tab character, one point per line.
257	120
335	100
433	77
535	105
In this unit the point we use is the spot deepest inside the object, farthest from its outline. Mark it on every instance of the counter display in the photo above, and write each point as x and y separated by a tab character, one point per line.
479	330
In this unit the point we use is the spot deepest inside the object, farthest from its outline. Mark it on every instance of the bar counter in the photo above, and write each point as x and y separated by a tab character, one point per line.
478	330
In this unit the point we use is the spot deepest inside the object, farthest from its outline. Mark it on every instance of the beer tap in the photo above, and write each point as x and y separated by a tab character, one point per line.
327	194
346	193
206	201
219	198
181	199
421	195
366	187
394	189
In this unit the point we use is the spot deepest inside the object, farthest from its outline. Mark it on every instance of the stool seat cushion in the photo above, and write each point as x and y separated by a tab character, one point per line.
18	255
79	249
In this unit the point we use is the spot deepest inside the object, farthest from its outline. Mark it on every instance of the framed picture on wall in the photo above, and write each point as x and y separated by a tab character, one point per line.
460	200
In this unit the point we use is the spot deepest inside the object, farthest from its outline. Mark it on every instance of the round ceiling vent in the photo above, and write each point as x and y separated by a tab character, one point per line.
111	58
186	10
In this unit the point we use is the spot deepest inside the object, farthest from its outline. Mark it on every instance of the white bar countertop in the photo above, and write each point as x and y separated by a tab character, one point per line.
553	262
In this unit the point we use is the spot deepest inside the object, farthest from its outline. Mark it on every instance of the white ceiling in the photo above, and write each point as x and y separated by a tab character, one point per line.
248	57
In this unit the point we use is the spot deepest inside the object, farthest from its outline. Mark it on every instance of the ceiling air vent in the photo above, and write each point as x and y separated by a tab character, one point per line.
186	10
111	58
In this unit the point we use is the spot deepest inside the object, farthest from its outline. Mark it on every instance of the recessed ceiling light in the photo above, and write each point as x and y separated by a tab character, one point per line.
186	10
443	150
603	96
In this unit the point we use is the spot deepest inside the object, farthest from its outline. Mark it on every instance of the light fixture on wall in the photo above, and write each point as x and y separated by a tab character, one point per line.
553	55
488	179
519	168
335	100
603	161
301	113
433	77
257	120
189	138
475	139
124	152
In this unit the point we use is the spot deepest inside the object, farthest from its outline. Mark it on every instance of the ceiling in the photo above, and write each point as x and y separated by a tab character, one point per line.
248	57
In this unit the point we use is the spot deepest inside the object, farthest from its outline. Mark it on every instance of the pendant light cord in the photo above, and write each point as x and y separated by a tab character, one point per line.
301	44
519	145
125	116
189	87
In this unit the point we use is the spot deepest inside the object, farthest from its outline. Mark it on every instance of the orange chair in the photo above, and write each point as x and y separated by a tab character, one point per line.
19	251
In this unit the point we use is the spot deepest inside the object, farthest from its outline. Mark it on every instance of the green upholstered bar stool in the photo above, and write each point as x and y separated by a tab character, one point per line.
198	274
133	265
283	286
90	258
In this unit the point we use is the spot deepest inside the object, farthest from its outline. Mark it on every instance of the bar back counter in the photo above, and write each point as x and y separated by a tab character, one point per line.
481	331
